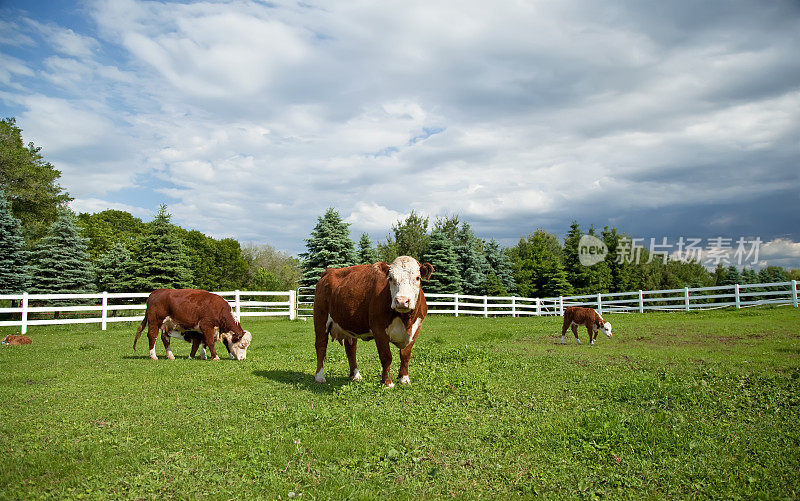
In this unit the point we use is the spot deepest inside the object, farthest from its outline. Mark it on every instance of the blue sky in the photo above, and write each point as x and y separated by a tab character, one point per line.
249	119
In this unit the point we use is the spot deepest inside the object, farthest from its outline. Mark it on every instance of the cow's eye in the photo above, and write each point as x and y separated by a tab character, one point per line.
417	279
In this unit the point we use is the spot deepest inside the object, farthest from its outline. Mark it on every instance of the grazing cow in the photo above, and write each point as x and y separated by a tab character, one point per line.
16	339
379	301
194	315
577	315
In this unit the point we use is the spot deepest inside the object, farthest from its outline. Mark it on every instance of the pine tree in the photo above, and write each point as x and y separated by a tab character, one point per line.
60	261
441	254
501	266
14	273
472	264
161	258
366	253
114	270
328	247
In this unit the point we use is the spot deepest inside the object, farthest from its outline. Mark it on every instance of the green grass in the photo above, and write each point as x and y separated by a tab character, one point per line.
703	404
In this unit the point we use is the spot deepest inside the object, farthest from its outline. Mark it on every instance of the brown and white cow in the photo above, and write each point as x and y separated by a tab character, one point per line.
194	315
380	301
16	339
594	323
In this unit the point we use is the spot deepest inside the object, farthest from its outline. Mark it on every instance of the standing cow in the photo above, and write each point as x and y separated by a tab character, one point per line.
380	301
194	315
578	315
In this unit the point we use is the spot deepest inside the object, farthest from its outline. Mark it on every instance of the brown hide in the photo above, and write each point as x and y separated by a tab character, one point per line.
16	339
358	299
193	310
583	316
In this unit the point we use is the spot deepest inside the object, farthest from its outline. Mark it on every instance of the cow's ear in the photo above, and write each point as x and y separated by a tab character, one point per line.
382	267
425	271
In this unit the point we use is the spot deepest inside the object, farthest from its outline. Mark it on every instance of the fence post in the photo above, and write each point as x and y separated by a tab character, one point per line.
736	293
238	306
456	303
485	306
641	301
538	307
23	328
686	298
599	305
292	305
561	305
794	293
104	311
513	306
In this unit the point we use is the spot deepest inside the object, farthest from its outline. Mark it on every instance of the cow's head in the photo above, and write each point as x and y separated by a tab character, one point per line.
405	279
237	350
605	328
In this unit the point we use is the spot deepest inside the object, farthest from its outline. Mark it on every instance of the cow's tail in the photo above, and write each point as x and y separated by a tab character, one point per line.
139	330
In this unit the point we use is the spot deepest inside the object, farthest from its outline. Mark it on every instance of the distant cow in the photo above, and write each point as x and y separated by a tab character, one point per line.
16	339
194	315
576	315
379	301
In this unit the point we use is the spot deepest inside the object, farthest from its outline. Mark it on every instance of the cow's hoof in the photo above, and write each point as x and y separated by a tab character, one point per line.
356	376
578	341
390	385
215	358
404	380
189	358
170	356
153	357
319	377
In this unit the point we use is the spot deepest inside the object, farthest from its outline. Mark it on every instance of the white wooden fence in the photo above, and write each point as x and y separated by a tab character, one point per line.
299	303
108	305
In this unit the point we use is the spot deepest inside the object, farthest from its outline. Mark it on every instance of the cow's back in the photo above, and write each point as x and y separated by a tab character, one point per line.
353	296
186	306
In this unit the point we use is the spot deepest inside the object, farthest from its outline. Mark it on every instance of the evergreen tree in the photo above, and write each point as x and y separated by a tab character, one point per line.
500	264
162	261
328	247
749	276
472	264
442	256
14	273
410	239
60	262
537	266
115	270
366	253
732	276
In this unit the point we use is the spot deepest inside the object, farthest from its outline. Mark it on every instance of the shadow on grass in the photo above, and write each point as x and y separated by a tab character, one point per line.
304	380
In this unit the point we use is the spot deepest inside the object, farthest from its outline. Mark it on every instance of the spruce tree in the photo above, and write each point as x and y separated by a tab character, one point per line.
14	273
162	261
441	254
329	246
366	252
61	263
472	264
501	266
115	270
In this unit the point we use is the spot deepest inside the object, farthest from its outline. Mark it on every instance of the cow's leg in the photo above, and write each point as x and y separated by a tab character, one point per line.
203	353
350	349
564	328
405	356
152	334
208	335
385	354
167	345
195	345
321	341
591	335
575	331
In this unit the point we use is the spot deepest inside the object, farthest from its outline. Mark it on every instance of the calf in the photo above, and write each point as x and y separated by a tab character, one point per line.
576	315
380	301
195	315
16	339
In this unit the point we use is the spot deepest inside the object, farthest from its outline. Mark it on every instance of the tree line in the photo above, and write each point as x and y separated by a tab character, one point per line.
540	265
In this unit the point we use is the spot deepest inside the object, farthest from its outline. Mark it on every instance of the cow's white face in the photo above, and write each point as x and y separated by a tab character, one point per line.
237	351
405	279
606	329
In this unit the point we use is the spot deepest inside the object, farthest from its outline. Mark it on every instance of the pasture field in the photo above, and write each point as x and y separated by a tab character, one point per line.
675	405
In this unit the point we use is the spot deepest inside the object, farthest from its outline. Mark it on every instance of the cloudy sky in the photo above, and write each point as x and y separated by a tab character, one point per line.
249	119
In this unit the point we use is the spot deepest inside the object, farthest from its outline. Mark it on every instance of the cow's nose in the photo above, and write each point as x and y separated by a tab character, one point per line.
402	301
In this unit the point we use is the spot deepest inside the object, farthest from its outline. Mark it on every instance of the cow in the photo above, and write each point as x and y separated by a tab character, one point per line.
380	301
194	315
16	339
577	315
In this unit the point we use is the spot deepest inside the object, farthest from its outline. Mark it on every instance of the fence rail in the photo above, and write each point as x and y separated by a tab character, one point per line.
108	305
299	303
